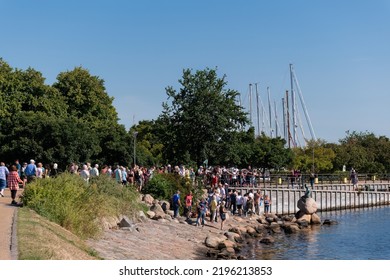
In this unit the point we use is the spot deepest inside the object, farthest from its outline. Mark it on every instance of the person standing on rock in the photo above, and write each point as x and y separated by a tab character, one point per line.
257	201
267	203
202	209
176	204
213	209
188	205
222	213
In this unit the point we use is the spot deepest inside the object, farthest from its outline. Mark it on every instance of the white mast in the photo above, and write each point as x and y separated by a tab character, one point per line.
313	136
270	113
293	105
250	103
257	107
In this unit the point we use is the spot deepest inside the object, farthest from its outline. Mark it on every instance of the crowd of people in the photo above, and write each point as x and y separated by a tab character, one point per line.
221	200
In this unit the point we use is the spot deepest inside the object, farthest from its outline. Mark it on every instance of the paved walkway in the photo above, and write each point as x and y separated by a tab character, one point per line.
8	246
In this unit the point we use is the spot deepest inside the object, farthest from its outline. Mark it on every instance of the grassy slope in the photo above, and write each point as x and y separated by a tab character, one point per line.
40	239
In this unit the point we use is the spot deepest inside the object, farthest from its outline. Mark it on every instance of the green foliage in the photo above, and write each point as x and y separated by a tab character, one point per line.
68	201
315	155
199	118
270	153
365	152
164	186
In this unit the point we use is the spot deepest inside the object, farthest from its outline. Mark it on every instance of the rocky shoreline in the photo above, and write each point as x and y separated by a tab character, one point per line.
157	235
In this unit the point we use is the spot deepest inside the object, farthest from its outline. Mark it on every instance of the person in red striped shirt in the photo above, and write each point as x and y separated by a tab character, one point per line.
13	181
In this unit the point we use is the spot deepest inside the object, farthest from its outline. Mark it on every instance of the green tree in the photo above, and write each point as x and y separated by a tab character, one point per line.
270	153
200	117
314	157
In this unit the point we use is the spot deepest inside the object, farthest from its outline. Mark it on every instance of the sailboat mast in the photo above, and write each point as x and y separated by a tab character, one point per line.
288	121
270	112
284	119
250	103
276	121
257	108
293	105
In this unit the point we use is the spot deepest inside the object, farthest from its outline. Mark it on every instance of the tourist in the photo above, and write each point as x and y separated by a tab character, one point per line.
267	203
40	170
188	205
3	178
13	181
201	209
176	203
233	201
311	179
213	209
222	213
31	171
124	176
19	167
354	179
85	173
94	172
239	201
257	201
118	174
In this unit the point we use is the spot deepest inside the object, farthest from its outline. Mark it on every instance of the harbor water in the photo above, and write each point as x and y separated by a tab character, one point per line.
361	234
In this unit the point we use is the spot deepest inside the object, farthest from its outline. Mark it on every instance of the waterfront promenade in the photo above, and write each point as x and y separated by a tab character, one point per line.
329	197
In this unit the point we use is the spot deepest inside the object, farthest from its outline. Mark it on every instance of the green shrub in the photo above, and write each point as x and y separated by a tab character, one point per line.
164	186
77	206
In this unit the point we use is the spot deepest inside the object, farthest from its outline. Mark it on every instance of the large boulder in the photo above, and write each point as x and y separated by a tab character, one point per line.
307	205
214	241
148	199
267	240
315	219
302	216
291	228
158	211
165	205
232	236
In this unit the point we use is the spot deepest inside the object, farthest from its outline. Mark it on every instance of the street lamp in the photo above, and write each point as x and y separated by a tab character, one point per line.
135	133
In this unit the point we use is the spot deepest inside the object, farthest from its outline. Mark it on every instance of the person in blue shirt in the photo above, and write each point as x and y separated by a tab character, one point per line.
31	171
176	204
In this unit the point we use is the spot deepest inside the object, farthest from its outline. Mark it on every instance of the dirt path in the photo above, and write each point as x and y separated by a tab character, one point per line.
8	246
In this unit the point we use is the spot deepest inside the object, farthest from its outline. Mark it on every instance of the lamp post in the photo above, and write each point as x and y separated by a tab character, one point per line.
135	133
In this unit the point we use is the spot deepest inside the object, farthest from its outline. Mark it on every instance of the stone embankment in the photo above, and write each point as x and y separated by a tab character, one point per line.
157	236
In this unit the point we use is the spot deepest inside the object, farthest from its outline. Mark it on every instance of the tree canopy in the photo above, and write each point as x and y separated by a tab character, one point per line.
201	119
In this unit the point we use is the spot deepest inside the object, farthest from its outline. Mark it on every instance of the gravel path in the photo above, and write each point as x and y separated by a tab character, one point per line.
8	247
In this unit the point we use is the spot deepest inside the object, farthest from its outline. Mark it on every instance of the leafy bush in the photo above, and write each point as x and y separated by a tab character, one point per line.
68	201
164	186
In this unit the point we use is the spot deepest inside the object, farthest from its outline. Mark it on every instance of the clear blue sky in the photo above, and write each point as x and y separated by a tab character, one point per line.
340	51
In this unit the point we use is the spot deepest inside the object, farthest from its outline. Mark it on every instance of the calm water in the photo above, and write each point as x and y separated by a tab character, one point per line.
362	234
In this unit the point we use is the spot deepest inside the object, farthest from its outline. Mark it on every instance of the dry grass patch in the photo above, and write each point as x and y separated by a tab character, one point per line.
40	239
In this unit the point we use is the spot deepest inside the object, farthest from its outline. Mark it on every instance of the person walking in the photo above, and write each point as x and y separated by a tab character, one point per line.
31	171
176	204
188	205
202	209
13	181
3	178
